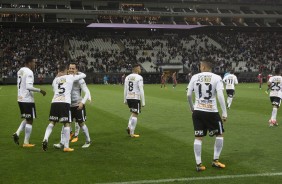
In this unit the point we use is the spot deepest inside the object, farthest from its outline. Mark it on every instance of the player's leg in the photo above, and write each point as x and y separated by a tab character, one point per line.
22	125
54	117
17	133
275	107
67	137
86	133
47	134
77	128
60	145
28	130
79	116
129	125
135	109
76	132
133	124
199	131
217	126
30	114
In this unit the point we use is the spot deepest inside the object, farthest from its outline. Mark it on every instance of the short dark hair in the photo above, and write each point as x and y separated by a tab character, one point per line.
231	71
277	71
28	59
208	62
62	68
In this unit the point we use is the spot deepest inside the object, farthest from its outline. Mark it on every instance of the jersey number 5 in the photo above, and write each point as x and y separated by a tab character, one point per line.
62	89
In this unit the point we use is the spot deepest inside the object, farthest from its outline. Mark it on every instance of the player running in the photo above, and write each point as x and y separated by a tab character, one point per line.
206	85
230	81
275	86
133	97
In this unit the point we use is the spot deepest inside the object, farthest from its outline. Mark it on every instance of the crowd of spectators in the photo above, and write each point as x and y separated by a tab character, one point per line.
259	51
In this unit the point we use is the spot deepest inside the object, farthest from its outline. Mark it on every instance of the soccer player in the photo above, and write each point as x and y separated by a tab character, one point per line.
163	80
260	79
133	97
174	79
78	111
60	106
206	85
230	82
275	86
26	103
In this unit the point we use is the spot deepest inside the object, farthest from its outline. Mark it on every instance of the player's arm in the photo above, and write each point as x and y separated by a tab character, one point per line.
125	91
87	95
224	79
236	80
140	84
29	85
79	76
220	97
189	94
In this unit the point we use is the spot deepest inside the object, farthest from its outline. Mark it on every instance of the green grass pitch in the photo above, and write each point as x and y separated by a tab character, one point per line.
163	151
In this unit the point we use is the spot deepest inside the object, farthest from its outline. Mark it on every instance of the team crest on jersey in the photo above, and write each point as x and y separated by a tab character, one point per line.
204	78
131	78
61	81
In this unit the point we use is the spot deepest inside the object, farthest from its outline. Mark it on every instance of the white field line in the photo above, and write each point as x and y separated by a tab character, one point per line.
197	178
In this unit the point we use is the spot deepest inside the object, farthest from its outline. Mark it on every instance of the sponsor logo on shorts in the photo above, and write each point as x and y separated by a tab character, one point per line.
134	110
26	115
199	132
64	119
213	132
54	118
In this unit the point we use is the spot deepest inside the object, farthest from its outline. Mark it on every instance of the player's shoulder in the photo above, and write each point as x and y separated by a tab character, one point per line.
81	81
27	70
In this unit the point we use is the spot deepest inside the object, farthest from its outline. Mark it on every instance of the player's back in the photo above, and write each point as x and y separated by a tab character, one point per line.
275	86
62	87
205	85
132	86
230	81
24	77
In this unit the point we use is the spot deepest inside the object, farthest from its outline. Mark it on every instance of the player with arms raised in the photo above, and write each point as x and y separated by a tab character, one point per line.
26	103
206	85
60	106
275	86
230	81
133	97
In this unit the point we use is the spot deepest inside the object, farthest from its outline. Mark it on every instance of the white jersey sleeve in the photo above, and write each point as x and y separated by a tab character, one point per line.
76	98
